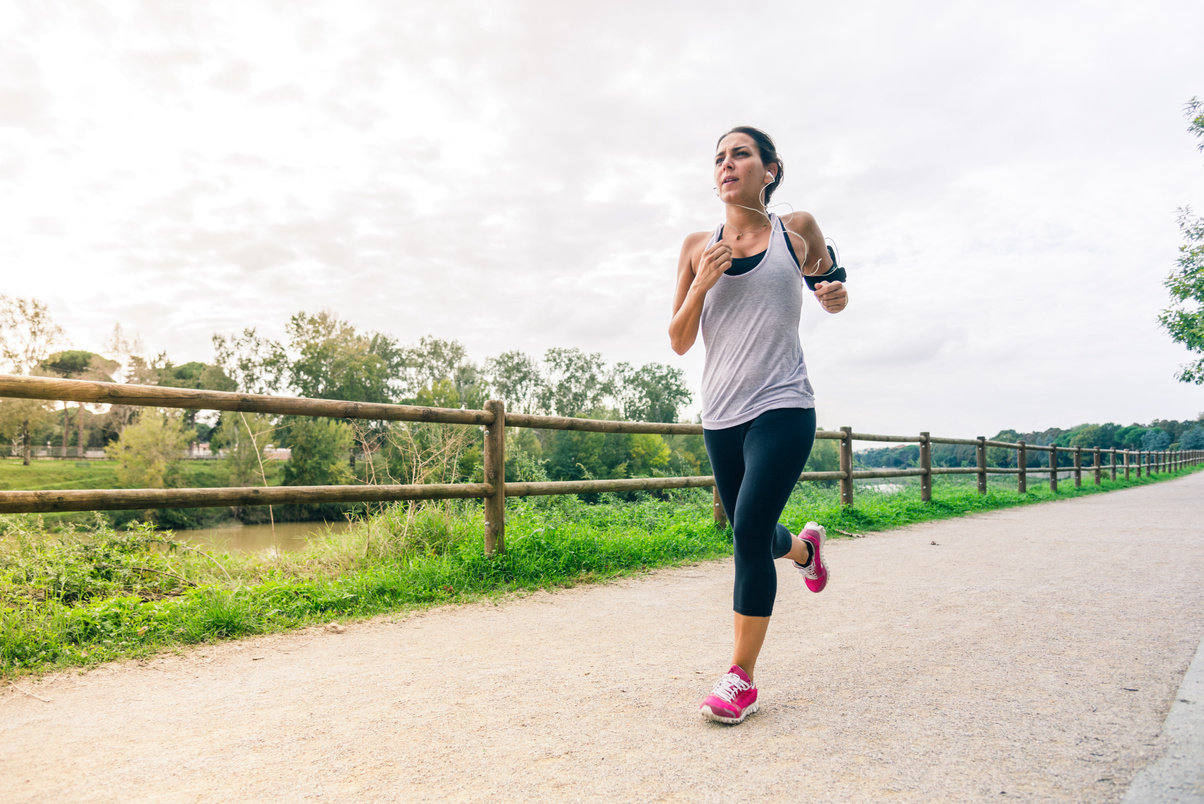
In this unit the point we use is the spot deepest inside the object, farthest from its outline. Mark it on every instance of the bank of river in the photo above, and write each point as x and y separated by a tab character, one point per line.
286	536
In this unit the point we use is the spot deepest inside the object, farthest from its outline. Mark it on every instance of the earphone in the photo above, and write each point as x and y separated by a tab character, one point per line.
769	179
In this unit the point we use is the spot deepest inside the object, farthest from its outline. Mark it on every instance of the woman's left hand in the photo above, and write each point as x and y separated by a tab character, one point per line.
832	296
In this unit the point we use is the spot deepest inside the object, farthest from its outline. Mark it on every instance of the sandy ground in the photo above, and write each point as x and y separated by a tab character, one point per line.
1027	654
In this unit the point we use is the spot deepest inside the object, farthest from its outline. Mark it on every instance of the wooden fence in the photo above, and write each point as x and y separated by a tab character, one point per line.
494	490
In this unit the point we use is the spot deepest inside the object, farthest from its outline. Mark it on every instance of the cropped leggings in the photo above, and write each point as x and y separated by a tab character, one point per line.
756	465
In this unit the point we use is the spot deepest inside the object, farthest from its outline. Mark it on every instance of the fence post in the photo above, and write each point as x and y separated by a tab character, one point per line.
926	466
1137	461
846	465
1053	467
1096	457
1114	464
1021	464
1126	465
981	449
717	509
495	475
1078	467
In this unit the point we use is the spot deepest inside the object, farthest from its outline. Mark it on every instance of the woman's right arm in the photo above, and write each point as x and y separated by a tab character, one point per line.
698	270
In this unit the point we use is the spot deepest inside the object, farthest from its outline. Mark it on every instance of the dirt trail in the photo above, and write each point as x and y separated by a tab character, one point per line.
1028	654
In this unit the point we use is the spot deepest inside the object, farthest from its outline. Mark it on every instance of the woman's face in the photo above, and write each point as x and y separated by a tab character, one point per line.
739	172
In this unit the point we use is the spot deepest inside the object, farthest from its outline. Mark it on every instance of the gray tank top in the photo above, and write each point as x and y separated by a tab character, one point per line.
754	360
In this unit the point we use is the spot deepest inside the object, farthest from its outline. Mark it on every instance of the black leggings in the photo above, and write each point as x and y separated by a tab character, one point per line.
756	465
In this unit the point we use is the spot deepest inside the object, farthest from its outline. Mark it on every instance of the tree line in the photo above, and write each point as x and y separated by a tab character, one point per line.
1158	435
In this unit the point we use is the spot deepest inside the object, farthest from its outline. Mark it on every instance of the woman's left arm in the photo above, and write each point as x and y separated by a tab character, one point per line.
803	230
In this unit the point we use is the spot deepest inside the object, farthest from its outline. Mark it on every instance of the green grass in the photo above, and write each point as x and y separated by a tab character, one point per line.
66	474
92	595
952	496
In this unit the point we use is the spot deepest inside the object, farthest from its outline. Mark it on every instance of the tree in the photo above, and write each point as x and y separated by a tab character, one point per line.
1193	438
429	361
333	361
149	451
577	382
26	337
255	365
1155	439
516	378
652	393
243	437
76	364
319	452
1184	318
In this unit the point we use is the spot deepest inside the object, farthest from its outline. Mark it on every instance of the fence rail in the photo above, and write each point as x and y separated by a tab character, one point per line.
494	491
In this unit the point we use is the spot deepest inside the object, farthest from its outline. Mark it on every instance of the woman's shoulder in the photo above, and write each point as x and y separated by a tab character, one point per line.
695	242
799	222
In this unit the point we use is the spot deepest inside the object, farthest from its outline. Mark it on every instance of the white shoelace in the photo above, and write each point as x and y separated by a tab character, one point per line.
727	687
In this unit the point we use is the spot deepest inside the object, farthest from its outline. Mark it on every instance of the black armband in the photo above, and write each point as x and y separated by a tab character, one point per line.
834	274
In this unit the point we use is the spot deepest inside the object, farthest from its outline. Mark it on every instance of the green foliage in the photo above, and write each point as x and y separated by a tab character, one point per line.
78	567
1193	438
1184	318
428	452
434	361
254	364
1155	439
1088	436
320	450
243	436
196	375
576	382
651	393
524	456
687	455
516	379
333	361
27	334
148	451
19	418
70	363
825	456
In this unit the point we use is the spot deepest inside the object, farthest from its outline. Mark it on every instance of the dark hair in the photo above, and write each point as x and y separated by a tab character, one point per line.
768	151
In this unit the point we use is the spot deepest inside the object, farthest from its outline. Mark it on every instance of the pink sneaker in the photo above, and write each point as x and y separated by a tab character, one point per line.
816	573
733	699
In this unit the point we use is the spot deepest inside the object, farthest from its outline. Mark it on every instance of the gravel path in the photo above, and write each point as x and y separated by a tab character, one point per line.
1024	654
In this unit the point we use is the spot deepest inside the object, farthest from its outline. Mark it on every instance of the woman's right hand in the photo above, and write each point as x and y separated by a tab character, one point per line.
693	282
714	261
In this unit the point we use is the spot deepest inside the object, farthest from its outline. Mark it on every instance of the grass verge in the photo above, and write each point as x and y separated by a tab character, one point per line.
93	595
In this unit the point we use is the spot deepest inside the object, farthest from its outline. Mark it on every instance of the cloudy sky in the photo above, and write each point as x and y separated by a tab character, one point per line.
1001	178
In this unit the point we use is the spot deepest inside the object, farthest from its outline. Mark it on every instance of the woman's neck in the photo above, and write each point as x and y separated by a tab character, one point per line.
746	218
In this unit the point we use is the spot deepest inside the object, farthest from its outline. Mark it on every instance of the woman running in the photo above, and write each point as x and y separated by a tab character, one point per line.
742	286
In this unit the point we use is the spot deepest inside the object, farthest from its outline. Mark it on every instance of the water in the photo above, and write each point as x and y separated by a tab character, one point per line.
288	536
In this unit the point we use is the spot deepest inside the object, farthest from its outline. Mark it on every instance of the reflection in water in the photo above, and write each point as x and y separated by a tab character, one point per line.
258	538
